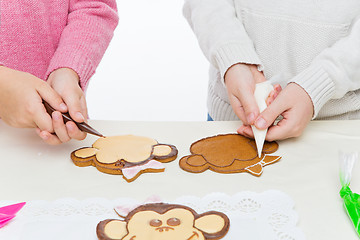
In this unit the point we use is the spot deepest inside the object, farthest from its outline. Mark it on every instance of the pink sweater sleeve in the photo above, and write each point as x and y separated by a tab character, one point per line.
83	42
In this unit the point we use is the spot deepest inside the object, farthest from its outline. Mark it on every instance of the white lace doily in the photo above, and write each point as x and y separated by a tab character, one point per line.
253	216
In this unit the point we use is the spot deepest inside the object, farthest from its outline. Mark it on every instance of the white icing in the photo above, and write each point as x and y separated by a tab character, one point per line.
262	91
262	163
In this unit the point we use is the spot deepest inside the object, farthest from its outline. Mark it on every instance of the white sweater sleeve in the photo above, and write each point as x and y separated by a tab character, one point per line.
221	35
334	72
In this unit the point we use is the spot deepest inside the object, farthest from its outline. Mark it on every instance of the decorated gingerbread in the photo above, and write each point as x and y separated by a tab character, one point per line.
228	153
161	221
127	155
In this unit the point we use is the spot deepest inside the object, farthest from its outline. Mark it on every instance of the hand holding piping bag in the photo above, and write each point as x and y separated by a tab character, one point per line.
296	108
293	104
65	82
264	94
66	117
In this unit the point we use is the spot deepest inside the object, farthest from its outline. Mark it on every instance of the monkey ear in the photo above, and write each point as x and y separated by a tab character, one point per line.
270	147
84	156
164	152
85	152
111	229
194	163
213	224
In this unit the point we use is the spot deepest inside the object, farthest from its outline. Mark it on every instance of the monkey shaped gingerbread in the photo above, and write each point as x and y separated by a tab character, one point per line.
127	155
228	153
161	221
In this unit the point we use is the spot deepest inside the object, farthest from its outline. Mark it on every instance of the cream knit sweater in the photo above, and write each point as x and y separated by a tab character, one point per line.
314	43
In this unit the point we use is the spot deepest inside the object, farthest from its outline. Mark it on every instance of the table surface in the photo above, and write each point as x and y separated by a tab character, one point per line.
308	171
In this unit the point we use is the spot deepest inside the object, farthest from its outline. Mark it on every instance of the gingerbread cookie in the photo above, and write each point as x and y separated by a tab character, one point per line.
127	155
229	153
161	221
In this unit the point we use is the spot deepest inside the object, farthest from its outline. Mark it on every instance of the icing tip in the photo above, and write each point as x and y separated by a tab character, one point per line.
259	150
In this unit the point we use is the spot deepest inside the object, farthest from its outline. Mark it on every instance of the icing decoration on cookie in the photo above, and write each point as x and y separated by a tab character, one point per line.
126	155
131	172
162	221
228	153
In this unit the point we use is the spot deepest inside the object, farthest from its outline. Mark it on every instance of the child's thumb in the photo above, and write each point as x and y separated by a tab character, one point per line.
269	115
250	107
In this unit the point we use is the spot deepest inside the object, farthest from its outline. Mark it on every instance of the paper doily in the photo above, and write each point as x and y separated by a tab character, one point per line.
253	216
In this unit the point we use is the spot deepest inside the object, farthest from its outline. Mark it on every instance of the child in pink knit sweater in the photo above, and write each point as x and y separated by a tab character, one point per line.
48	51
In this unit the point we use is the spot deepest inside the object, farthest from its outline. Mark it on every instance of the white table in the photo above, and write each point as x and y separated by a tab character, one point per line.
308	171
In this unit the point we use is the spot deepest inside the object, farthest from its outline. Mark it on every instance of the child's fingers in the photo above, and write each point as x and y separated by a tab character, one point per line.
238	109
51	96
59	127
296	108
241	129
75	106
42	119
84	107
246	131
251	109
277	88
285	128
273	94
49	138
269	115
74	132
64	132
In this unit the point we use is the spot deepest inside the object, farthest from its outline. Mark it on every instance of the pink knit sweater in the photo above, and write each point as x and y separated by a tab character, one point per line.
40	36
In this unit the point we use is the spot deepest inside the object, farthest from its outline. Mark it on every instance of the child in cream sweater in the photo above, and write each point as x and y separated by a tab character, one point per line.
311	48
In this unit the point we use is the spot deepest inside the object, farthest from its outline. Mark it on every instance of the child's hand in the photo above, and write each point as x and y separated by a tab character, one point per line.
65	82
240	80
21	96
296	107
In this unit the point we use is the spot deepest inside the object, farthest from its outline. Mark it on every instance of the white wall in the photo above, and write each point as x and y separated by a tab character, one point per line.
153	69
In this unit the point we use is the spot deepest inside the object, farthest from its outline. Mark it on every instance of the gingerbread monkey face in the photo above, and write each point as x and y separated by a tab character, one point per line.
229	153
164	222
127	155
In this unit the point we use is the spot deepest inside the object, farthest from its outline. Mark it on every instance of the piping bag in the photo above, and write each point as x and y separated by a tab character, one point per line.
262	91
66	116
9	212
351	200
